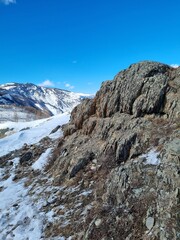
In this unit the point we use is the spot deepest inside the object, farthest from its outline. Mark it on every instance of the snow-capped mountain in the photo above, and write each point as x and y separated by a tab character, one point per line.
29	101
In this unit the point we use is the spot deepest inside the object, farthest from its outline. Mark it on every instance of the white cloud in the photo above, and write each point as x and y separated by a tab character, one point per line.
47	83
7	2
174	65
69	86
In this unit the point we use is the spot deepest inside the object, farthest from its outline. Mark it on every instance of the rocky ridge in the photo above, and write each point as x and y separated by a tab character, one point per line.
124	146
115	172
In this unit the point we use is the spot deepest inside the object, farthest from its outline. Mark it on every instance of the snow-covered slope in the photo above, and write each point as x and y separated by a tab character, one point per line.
29	132
26	101
21	209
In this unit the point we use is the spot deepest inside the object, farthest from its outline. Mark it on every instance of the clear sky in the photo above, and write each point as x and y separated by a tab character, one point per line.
77	44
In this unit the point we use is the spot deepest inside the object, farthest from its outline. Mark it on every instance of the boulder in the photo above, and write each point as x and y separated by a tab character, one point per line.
26	158
81	164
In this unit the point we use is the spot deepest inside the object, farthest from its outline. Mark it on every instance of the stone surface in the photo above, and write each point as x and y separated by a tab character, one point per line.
55	129
81	164
136	113
26	157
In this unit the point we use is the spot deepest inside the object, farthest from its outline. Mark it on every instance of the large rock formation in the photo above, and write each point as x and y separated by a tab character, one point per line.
115	172
124	145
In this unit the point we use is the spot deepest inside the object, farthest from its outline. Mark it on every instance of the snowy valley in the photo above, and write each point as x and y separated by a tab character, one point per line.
24	102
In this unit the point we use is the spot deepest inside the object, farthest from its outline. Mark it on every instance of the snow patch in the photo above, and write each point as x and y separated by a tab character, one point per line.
151	157
42	161
31	132
19	217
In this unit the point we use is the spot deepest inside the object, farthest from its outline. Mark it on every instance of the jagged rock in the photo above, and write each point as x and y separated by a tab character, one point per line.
25	158
138	90
81	164
68	129
82	112
144	88
124	147
136	113
16	177
55	129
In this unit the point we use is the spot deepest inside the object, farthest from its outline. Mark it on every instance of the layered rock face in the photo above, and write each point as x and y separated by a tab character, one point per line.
123	148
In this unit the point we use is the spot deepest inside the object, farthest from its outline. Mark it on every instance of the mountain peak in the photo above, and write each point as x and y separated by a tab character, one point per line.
36	99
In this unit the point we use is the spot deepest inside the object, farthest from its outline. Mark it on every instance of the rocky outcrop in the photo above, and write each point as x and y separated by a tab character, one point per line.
139	90
115	172
25	158
82	163
144	88
132	127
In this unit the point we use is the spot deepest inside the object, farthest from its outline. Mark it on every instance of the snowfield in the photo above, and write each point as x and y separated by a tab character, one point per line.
18	217
21	209
30	132
42	161
21	204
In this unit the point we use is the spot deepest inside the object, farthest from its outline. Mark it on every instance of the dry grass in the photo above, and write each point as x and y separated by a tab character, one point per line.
55	155
3	132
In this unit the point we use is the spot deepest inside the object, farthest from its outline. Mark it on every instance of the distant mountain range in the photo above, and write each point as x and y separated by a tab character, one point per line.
29	101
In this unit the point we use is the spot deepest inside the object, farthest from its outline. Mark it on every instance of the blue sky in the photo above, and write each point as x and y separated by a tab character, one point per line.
77	44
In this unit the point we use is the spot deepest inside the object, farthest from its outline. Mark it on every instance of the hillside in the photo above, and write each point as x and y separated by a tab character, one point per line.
21	215
22	102
113	174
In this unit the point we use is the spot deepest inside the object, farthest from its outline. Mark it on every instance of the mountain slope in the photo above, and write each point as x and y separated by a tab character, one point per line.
124	146
32	132
23	101
114	174
21	214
